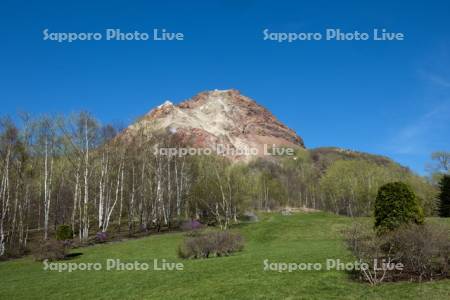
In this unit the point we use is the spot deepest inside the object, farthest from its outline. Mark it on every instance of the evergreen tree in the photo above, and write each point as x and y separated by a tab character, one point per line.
444	196
396	204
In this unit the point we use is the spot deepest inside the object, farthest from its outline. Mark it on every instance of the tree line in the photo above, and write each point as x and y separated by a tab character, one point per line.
73	170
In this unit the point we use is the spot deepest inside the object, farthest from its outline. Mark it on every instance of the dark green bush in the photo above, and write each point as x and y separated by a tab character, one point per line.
64	232
395	205
444	196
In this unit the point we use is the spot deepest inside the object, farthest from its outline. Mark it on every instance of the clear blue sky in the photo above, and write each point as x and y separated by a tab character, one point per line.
390	98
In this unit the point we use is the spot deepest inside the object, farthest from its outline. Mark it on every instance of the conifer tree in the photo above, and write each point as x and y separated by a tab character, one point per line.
444	196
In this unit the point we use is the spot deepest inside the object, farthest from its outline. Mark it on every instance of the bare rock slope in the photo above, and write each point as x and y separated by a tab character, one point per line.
219	118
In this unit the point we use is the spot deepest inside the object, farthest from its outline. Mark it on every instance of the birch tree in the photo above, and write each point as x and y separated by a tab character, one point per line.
46	139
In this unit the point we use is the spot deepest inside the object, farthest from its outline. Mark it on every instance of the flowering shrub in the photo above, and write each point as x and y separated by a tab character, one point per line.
191	225
101	237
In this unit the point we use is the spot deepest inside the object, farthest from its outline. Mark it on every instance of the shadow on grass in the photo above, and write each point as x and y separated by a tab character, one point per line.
73	255
243	224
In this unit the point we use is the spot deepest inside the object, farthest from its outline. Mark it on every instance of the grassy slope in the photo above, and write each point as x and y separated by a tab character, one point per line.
297	238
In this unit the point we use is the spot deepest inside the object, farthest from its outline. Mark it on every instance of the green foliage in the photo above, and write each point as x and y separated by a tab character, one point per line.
444	196
396	204
351	186
64	232
324	157
306	237
425	191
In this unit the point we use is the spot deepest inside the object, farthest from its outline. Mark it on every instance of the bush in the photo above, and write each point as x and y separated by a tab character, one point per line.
101	237
422	250
249	216
192	228
191	225
64	232
219	243
444	196
368	248
227	243
396	204
51	250
208	219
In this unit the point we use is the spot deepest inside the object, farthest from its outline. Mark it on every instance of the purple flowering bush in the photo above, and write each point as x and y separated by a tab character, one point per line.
191	225
101	237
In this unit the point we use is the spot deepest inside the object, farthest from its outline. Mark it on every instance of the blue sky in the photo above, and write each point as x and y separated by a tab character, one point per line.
390	98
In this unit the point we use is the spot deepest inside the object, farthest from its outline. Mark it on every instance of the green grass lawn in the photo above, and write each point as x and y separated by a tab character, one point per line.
296	238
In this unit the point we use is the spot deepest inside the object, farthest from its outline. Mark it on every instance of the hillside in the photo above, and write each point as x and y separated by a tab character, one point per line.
323	157
230	119
297	238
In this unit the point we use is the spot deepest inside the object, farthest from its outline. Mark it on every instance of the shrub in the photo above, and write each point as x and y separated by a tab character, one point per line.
369	248
201	246
192	228
191	225
101	237
208	219
422	250
64	232
51	250
396	204
227	243
218	243
249	216
444	196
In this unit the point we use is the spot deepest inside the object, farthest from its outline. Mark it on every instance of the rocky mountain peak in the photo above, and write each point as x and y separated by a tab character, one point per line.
219	117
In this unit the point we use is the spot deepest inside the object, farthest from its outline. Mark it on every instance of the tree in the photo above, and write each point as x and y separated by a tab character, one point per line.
395	205
444	196
350	186
14	189
81	135
442	159
440	165
45	148
72	170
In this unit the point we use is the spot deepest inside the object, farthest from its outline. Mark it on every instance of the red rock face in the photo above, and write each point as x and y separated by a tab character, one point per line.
219	117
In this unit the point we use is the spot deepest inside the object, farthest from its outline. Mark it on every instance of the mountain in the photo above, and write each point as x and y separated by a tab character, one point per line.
323	157
218	120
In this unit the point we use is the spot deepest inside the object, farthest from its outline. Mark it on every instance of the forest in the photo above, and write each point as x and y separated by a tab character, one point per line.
72	170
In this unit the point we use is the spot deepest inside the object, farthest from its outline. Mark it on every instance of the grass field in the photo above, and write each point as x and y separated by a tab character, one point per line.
297	238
